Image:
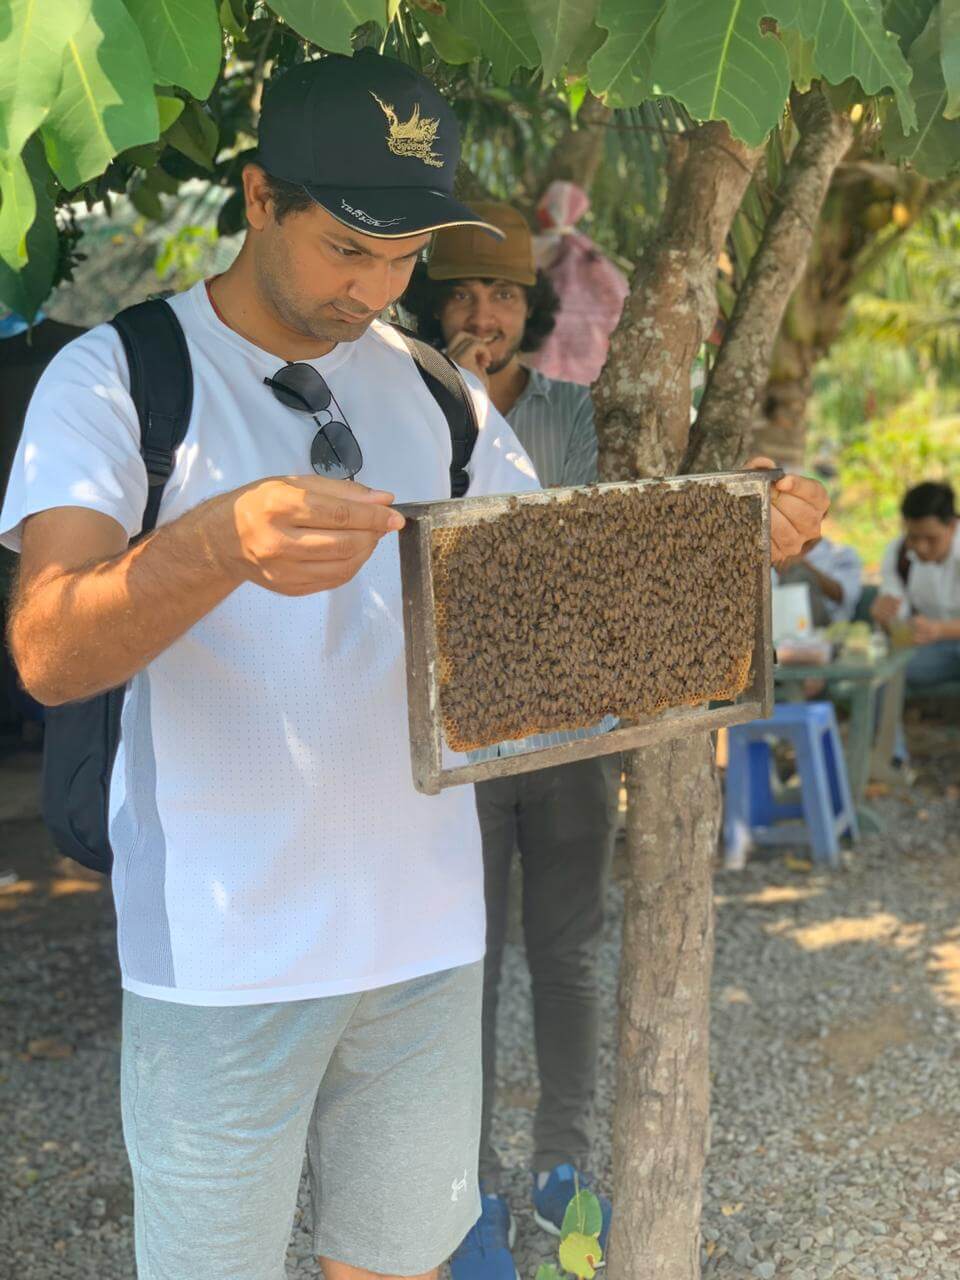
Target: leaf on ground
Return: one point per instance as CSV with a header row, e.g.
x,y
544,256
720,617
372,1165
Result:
x,y
580,1255
49,1048
583,1215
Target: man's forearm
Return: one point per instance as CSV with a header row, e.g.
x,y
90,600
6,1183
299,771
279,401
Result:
x,y
76,633
830,587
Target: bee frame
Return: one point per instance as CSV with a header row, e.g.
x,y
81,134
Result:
x,y
422,655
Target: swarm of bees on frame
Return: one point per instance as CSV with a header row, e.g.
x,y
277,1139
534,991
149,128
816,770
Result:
x,y
618,602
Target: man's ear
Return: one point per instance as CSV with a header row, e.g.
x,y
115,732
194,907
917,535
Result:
x,y
256,197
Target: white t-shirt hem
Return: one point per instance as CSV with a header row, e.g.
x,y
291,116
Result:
x,y
309,991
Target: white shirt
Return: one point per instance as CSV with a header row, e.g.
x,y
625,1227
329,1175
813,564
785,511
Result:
x,y
269,844
933,589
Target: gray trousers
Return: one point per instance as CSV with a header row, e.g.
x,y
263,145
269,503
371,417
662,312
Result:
x,y
563,822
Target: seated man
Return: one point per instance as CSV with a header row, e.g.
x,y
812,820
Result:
x,y
920,583
834,575
920,588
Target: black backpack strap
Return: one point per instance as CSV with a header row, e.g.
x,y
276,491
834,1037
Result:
x,y
903,562
453,396
161,387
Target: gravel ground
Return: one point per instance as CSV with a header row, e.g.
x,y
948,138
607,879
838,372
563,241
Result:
x,y
836,1059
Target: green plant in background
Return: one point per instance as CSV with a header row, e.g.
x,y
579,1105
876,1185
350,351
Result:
x,y
183,259
886,412
580,1253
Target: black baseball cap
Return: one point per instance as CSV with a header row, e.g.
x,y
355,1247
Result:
x,y
370,139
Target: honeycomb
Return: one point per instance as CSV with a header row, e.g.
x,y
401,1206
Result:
x,y
552,615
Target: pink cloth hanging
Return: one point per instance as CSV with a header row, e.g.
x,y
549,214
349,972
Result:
x,y
591,288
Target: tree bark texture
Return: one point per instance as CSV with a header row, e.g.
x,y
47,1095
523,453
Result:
x,y
642,398
643,413
663,1083
578,152
733,402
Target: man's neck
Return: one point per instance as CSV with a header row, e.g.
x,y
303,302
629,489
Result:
x,y
239,304
507,384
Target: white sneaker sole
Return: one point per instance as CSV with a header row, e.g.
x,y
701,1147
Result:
x,y
545,1224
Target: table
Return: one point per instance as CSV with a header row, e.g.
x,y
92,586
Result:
x,y
869,745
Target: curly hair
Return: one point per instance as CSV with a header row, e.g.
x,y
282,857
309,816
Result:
x,y
424,299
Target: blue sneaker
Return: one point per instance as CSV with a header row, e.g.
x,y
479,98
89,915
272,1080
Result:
x,y
550,1201
485,1252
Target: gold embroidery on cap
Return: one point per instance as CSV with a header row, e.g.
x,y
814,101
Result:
x,y
413,137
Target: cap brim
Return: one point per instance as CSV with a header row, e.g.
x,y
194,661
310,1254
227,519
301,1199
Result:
x,y
391,213
480,271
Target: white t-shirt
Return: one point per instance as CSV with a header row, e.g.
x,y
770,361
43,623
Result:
x,y
269,844
933,589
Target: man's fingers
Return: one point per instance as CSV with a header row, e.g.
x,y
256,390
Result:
x,y
798,513
810,491
325,511
352,490
310,544
761,463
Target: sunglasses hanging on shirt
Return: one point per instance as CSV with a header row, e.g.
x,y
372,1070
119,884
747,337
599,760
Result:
x,y
334,451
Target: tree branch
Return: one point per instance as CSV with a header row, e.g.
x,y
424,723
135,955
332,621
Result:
x,y
732,402
642,398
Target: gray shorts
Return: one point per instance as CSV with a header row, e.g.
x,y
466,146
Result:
x,y
382,1088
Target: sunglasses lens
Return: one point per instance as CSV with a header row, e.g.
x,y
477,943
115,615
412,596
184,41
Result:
x,y
335,452
299,386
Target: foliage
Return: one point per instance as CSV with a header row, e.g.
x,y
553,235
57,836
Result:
x,y
132,96
886,411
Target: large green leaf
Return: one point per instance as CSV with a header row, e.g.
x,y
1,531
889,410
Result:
x,y
620,71
950,54
330,23
449,44
33,35
106,101
907,18
24,290
713,56
850,40
184,41
501,30
934,148
18,208
559,26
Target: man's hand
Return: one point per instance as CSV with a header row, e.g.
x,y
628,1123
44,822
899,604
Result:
x,y
926,630
797,508
472,353
300,534
885,610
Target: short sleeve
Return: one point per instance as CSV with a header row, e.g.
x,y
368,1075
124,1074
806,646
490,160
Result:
x,y
580,462
80,445
499,463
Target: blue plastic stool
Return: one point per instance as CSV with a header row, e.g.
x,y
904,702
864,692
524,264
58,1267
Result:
x,y
756,815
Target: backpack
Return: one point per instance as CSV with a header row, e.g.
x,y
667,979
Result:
x,y
81,738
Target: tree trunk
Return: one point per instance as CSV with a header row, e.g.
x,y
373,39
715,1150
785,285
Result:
x,y
663,1081
578,152
734,399
642,398
643,412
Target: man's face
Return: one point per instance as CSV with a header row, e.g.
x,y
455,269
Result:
x,y
494,310
323,279
930,538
